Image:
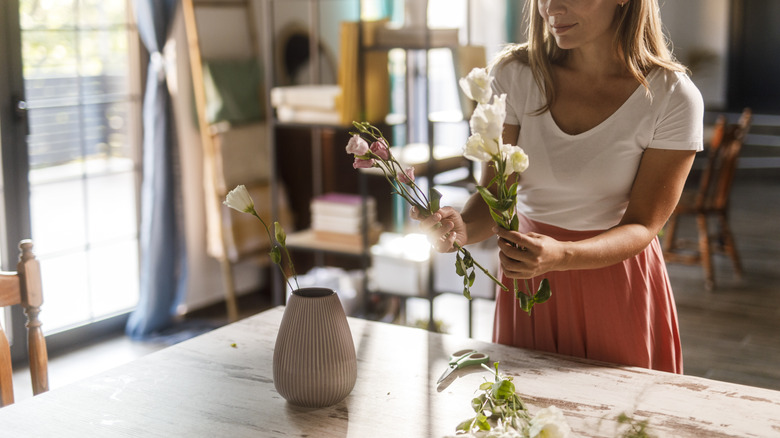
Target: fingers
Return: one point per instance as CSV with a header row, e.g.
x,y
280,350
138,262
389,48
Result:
x,y
518,254
513,268
445,243
519,240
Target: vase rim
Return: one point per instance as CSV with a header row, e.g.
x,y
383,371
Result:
x,y
313,292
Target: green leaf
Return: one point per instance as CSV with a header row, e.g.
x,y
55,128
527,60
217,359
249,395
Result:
x,y
465,426
485,386
460,267
467,293
503,389
482,422
521,296
544,292
505,204
476,403
498,219
435,197
472,277
488,197
515,224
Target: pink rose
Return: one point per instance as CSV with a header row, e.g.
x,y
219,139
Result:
x,y
362,164
407,176
380,149
357,145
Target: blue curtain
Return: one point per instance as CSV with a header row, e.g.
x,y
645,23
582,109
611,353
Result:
x,y
162,254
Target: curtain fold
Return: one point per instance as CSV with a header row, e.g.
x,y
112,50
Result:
x,y
162,250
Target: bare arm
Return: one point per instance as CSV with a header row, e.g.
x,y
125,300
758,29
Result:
x,y
653,197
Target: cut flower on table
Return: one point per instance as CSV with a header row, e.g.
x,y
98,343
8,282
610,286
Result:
x,y
370,149
501,413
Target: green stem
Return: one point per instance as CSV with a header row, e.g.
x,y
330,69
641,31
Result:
x,y
292,268
271,241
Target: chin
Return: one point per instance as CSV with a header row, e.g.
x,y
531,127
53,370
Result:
x,y
563,44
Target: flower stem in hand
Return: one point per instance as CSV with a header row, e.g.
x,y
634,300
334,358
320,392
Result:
x,y
377,154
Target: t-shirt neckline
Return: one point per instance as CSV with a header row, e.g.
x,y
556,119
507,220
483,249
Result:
x,y
550,120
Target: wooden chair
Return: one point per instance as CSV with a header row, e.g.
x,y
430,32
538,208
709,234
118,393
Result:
x,y
23,287
710,198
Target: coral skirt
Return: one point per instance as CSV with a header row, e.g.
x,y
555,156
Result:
x,y
624,313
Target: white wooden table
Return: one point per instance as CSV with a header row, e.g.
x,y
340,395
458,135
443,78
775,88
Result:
x,y
207,387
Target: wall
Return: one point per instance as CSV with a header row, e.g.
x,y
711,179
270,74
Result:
x,y
699,32
204,276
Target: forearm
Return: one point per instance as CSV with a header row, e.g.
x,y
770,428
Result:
x,y
608,248
476,216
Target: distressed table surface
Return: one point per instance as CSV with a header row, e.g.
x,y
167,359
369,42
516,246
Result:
x,y
220,384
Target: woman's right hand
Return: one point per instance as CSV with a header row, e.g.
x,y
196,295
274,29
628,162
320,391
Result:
x,y
444,228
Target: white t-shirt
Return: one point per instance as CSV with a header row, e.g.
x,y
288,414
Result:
x,y
583,181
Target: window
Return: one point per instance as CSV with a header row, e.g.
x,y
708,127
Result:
x,y
83,111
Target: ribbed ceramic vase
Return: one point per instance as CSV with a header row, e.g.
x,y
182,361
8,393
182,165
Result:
x,y
314,358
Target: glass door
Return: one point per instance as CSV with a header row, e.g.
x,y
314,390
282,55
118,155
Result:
x,y
80,69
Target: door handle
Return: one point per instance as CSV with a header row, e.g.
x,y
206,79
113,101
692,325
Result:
x,y
20,112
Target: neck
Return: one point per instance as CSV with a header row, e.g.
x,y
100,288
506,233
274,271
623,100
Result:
x,y
595,61
597,58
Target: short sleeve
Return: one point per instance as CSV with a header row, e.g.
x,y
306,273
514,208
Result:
x,y
507,79
679,125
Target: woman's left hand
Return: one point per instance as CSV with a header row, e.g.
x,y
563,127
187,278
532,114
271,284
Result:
x,y
527,255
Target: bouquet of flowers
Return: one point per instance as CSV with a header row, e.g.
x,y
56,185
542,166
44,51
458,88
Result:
x,y
370,149
485,145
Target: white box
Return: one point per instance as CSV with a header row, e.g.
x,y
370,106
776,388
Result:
x,y
400,265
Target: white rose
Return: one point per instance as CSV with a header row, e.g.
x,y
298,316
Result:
x,y
516,158
476,85
475,149
549,423
488,119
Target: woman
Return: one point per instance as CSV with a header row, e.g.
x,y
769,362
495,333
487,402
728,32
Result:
x,y
611,124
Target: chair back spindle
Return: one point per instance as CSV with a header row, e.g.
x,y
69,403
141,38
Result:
x,y
24,287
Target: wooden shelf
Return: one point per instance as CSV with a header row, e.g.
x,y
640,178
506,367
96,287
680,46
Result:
x,y
418,155
307,240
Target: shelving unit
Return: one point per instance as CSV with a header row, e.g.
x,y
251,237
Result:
x,y
303,240
428,158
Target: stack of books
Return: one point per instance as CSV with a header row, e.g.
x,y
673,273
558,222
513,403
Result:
x,y
310,104
339,217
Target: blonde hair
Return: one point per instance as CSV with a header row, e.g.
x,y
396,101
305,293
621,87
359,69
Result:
x,y
639,42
